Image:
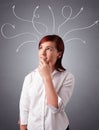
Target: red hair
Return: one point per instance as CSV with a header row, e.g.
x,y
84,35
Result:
x,y
59,46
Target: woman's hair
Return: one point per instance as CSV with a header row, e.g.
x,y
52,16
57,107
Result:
x,y
59,46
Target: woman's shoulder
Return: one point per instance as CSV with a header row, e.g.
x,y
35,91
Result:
x,y
31,74
67,74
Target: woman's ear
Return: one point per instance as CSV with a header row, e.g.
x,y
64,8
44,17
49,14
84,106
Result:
x,y
59,55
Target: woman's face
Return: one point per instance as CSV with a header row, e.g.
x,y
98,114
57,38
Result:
x,y
48,52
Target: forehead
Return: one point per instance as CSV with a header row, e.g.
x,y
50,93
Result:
x,y
48,43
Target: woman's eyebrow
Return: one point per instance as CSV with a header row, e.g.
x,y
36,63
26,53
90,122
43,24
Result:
x,y
47,46
50,46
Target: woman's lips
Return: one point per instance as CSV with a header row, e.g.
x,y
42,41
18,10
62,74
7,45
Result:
x,y
44,58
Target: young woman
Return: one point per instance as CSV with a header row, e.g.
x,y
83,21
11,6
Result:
x,y
47,89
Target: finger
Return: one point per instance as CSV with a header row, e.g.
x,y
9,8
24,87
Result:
x,y
41,64
43,61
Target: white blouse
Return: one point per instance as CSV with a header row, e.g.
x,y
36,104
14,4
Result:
x,y
34,110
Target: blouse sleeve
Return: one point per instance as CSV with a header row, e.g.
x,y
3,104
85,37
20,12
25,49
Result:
x,y
24,101
64,94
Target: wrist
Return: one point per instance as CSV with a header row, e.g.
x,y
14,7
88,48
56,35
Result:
x,y
47,78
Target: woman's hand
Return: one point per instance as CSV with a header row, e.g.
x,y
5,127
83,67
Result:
x,y
44,68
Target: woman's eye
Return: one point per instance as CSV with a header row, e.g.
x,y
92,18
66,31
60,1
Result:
x,y
40,47
49,48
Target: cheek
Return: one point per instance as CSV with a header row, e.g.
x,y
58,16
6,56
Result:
x,y
40,54
52,58
49,55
